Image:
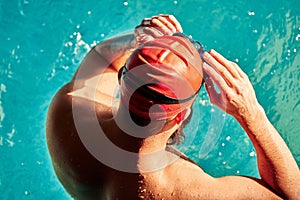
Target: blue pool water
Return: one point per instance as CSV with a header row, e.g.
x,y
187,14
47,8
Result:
x,y
42,43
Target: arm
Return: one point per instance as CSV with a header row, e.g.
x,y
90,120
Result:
x,y
112,54
277,167
150,28
107,56
116,50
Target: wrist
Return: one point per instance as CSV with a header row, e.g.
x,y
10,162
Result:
x,y
252,118
134,43
131,46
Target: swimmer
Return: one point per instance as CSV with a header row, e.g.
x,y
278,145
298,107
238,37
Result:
x,y
159,74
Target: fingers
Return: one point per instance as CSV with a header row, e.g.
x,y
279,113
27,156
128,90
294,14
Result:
x,y
236,94
153,32
174,22
165,27
218,71
216,77
212,93
230,66
167,24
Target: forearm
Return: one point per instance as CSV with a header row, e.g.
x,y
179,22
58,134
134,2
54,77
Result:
x,y
276,164
237,97
117,49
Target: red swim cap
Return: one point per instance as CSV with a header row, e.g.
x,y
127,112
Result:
x,y
167,73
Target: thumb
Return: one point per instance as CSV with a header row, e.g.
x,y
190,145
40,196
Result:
x,y
212,92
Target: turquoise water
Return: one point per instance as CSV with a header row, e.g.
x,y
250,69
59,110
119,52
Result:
x,y
42,43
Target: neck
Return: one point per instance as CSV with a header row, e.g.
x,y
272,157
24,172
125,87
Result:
x,y
129,136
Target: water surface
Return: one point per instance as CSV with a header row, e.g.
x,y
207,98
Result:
x,y
43,42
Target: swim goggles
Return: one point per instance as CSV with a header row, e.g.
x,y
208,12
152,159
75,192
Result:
x,y
196,44
155,96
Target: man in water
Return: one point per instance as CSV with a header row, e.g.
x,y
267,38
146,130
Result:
x,y
104,147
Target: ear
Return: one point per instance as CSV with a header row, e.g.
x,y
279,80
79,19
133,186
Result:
x,y
120,74
182,115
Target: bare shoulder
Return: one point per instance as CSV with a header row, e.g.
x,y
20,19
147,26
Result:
x,y
85,103
61,104
73,164
186,180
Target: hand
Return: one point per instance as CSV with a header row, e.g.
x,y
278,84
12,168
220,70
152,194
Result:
x,y
156,26
237,96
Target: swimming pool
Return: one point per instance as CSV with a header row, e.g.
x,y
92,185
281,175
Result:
x,y
42,43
